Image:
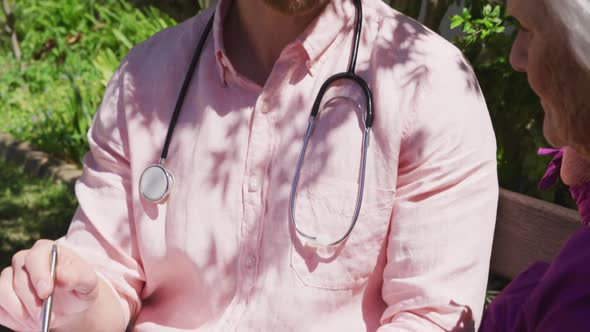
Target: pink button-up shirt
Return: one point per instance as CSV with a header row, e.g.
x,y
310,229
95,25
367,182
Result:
x,y
220,253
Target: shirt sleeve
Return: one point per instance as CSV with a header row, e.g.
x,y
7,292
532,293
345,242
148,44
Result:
x,y
102,230
444,212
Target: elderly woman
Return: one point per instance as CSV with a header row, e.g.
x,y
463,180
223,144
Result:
x,y
553,48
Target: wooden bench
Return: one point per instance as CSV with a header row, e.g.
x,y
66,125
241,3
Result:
x,y
528,230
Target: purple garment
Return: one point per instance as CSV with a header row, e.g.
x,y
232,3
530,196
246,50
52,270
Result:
x,y
581,195
550,297
552,174
547,298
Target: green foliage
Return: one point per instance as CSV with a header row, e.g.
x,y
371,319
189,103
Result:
x,y
30,209
515,110
479,29
70,50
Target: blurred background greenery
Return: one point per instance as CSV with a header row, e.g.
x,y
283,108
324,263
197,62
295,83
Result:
x,y
57,56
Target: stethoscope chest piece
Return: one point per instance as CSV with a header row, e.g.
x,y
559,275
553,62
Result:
x,y
155,183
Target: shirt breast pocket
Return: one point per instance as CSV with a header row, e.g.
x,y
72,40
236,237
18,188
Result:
x,y
326,207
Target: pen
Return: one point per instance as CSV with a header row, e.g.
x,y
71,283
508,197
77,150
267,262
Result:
x,y
49,301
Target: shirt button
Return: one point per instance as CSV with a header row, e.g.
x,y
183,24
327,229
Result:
x,y
264,107
254,185
250,261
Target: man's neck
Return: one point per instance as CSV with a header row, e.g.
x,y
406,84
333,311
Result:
x,y
255,35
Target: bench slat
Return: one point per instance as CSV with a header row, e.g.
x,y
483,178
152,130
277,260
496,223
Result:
x,y
528,230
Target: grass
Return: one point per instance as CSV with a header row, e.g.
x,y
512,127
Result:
x,y
30,209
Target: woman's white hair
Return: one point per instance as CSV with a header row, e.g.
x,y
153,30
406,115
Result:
x,y
575,17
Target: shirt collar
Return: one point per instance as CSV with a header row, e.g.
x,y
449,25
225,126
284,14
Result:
x,y
224,66
324,30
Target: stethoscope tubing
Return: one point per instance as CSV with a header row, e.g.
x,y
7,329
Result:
x,y
314,240
368,123
187,81
356,79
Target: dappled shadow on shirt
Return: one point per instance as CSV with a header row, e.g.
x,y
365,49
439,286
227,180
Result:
x,y
471,84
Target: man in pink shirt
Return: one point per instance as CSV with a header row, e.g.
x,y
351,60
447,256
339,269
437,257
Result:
x,y
220,254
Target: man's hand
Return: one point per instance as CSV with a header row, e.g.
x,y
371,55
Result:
x,y
25,284
575,170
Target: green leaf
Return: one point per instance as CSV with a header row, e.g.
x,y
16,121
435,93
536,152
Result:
x,y
121,37
466,14
456,21
487,10
496,11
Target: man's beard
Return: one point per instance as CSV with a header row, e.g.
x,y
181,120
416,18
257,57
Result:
x,y
296,7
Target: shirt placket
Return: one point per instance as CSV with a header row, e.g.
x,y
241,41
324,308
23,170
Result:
x,y
257,163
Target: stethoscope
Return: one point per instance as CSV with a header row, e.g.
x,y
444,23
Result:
x,y
157,182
